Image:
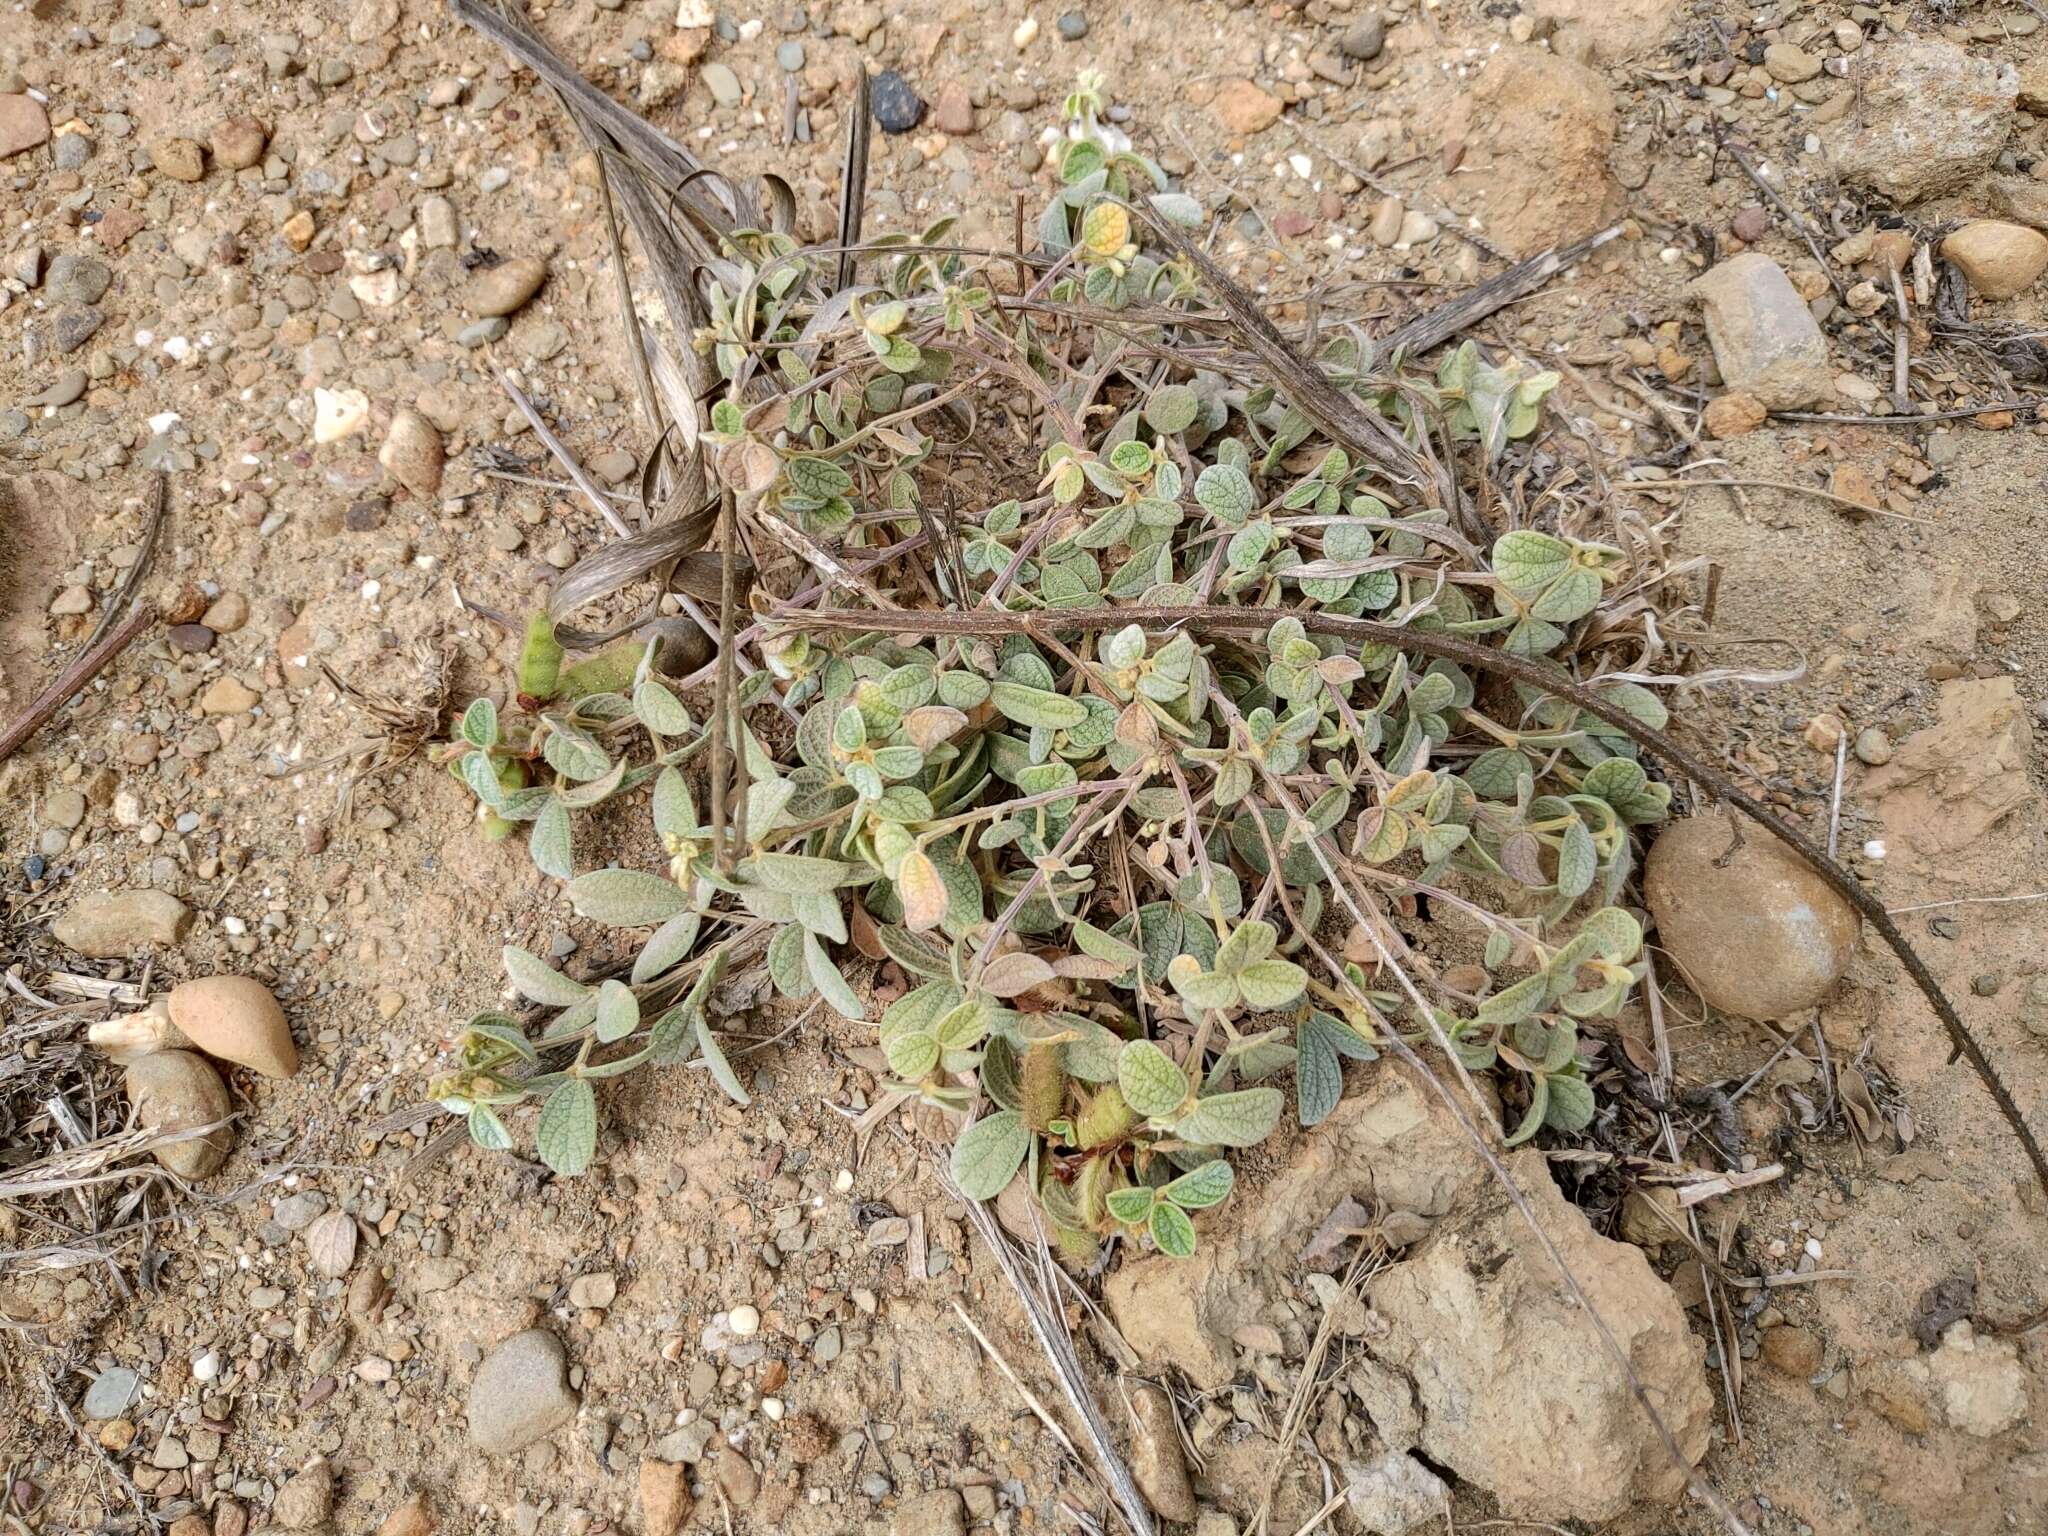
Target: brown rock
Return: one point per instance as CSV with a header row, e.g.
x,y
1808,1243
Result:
x,y
1900,1400
665,1500
1734,414
111,924
1617,29
1245,109
1753,930
1999,259
229,696
952,110
192,1525
23,124
306,1500
177,1090
179,159
238,143
736,1478
1157,1461
415,1517
1948,785
1791,1351
236,1019
230,1519
413,453
502,289
1538,130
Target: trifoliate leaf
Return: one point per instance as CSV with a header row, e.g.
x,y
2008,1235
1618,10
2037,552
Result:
x,y
1151,1083
1172,1230
1206,1186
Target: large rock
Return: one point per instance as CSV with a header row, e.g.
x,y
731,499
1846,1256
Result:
x,y
1982,1385
1391,1144
179,1091
1948,785
23,124
1999,259
235,1018
1517,1392
1750,927
521,1393
110,924
1538,130
1765,340
1933,119
1617,29
1514,1390
1394,1495
2019,198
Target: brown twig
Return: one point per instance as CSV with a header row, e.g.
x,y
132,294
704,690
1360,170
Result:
x,y
73,679
1464,652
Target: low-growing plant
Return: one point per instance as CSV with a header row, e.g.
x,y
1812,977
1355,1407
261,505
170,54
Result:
x,y
1100,852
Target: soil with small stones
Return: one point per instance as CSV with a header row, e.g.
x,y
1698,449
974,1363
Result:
x,y
404,168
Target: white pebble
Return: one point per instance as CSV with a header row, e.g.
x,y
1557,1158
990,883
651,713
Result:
x,y
1302,165
842,1181
1026,33
207,1366
772,1406
1874,849
744,1322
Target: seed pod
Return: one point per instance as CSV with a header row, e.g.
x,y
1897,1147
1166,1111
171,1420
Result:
x,y
1105,1117
1044,1087
540,660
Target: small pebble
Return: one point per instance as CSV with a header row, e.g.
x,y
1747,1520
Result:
x,y
1073,26
898,108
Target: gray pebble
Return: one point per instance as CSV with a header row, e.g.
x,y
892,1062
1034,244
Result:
x,y
73,328
723,84
110,1393
1073,26
1873,746
483,331
790,55
73,150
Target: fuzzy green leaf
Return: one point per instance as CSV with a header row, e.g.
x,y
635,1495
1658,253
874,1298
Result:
x,y
626,898
1037,706
1172,1230
989,1152
567,1134
1206,1186
480,723
1151,1083
549,843
1241,1119
618,1011
538,982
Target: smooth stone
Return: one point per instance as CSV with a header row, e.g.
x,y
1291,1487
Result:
x,y
501,290
1754,931
521,1393
110,1393
75,278
238,143
236,1019
179,159
414,453
2000,260
178,1090
306,1500
723,84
